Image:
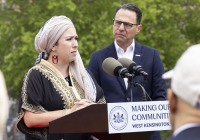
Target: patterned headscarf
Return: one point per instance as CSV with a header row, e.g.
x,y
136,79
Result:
x,y
48,36
50,33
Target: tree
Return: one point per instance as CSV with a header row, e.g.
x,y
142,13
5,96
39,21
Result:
x,y
168,26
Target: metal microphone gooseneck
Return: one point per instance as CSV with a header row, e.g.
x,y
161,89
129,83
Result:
x,y
145,94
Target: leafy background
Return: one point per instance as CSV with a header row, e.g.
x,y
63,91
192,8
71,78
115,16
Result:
x,y
170,26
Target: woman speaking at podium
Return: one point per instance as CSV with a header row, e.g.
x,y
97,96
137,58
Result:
x,y
58,84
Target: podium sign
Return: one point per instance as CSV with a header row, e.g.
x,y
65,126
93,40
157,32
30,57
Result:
x,y
138,116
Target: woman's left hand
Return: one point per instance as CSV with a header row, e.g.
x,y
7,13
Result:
x,y
83,103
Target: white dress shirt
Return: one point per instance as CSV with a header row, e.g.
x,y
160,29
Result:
x,y
125,54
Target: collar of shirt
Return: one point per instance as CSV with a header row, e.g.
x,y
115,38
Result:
x,y
126,54
184,127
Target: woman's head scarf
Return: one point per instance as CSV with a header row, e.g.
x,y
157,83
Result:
x,y
50,33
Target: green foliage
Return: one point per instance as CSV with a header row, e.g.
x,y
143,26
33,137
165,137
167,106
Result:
x,y
169,26
166,134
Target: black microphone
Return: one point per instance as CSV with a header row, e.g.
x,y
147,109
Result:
x,y
132,67
114,68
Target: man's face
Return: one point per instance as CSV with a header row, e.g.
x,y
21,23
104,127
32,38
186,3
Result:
x,y
125,28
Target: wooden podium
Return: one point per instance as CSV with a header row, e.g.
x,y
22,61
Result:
x,y
94,120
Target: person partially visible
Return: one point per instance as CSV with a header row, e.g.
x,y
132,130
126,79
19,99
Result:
x,y
4,105
184,95
126,25
58,84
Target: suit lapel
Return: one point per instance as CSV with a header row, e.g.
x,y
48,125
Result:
x,y
112,53
137,53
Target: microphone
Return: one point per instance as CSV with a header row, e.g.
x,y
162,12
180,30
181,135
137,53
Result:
x,y
132,67
114,68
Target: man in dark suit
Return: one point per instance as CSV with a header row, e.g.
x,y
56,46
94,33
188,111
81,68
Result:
x,y
127,24
184,96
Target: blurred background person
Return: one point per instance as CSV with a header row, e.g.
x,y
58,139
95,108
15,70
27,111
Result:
x,y
58,84
184,95
4,106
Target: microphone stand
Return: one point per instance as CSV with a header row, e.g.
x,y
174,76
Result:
x,y
143,91
130,86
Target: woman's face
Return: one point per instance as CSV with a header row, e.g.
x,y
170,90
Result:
x,y
67,46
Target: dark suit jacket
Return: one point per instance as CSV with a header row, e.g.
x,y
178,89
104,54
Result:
x,y
114,87
192,133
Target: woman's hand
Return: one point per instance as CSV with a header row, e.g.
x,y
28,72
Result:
x,y
40,120
81,104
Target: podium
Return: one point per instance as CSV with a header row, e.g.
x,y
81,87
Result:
x,y
93,120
